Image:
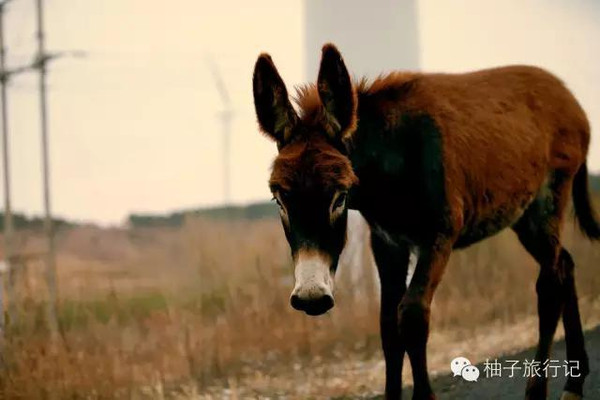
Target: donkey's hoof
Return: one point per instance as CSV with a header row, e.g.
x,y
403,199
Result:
x,y
570,396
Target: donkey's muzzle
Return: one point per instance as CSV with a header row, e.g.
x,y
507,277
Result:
x,y
313,304
313,291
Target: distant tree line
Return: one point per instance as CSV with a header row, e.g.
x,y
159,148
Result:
x,y
249,212
253,211
21,221
175,219
595,183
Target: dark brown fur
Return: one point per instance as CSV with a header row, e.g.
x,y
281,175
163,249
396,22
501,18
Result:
x,y
312,161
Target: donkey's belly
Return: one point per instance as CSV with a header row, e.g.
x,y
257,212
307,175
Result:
x,y
493,222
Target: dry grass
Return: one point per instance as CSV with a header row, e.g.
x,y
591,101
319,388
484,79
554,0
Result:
x,y
203,310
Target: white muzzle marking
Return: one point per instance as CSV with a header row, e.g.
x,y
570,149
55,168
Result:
x,y
313,277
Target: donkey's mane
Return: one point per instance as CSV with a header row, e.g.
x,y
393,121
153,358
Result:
x,y
311,108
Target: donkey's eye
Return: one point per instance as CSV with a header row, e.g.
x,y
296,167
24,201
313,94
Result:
x,y
276,200
340,201
284,195
281,198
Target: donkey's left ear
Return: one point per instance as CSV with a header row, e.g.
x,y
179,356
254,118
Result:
x,y
337,93
276,116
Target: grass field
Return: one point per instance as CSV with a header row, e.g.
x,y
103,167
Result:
x,y
202,311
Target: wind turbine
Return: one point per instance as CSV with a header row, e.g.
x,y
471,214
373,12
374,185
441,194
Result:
x,y
226,116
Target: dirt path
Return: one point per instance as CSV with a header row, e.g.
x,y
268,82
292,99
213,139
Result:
x,y
448,387
355,379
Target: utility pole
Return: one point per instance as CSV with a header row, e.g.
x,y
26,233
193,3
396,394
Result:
x,y
8,222
41,65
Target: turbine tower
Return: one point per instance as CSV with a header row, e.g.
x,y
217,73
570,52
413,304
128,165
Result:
x,y
226,116
374,37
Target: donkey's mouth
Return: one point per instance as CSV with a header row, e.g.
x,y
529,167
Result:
x,y
312,307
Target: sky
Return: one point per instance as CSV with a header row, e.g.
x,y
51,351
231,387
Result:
x,y
134,125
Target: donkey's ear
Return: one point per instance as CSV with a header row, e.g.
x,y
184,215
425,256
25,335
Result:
x,y
275,113
337,93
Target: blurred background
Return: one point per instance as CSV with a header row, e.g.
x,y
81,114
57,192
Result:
x,y
172,273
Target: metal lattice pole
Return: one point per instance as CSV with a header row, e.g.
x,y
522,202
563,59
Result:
x,y
42,58
8,221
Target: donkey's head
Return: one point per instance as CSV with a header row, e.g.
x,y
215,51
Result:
x,y
311,175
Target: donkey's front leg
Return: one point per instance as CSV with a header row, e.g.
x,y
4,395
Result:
x,y
392,265
414,310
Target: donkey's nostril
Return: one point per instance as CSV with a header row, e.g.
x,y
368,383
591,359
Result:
x,y
296,302
320,306
312,306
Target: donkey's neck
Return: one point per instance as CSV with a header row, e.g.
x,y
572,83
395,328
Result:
x,y
398,161
400,146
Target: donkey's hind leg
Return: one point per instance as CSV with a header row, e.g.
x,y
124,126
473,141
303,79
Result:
x,y
550,299
573,334
539,232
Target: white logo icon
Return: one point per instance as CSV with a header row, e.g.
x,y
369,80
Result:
x,y
461,366
458,364
470,373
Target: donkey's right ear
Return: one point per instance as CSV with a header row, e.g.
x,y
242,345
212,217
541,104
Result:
x,y
276,115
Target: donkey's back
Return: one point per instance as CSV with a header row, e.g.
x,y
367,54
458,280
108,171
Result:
x,y
507,133
492,110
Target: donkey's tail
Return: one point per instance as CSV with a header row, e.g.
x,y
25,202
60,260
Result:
x,y
588,220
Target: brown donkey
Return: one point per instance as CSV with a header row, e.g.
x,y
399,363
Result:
x,y
434,162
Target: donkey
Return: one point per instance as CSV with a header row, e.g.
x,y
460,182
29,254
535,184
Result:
x,y
434,162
